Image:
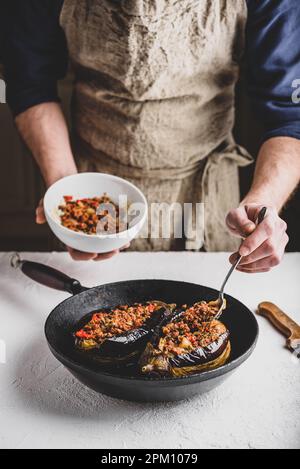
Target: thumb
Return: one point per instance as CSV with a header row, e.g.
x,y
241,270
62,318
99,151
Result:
x,y
238,222
40,214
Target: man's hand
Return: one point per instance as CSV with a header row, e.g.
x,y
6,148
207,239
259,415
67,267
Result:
x,y
277,174
76,255
44,130
265,244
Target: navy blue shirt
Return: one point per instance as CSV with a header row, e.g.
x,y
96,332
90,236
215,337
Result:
x,y
35,57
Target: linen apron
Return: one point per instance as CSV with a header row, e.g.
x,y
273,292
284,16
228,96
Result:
x,y
154,103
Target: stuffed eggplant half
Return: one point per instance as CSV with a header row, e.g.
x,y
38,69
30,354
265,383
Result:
x,y
192,341
119,335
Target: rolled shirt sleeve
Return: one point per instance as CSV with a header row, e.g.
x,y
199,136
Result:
x,y
33,52
273,64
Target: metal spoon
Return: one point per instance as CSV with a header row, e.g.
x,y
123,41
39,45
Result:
x,y
221,300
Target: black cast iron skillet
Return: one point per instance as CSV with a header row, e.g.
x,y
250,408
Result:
x,y
126,383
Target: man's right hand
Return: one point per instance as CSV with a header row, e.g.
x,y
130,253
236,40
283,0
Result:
x,y
76,255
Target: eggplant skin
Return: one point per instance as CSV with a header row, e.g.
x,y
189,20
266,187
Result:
x,y
177,372
116,350
155,362
127,347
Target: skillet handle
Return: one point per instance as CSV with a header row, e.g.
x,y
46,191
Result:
x,y
47,276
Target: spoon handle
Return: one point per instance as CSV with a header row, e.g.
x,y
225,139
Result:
x,y
260,218
261,215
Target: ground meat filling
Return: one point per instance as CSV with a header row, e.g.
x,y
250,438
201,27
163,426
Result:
x,y
91,215
104,325
191,331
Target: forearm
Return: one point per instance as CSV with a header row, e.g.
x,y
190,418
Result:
x,y
44,130
277,172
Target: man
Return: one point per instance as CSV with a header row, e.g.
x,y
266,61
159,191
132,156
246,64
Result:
x,y
154,103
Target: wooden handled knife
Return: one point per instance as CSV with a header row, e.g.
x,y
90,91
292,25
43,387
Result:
x,y
283,323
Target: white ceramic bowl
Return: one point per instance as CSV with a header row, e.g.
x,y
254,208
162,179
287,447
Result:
x,y
94,185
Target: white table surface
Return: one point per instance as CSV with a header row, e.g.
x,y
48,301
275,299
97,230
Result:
x,y
43,406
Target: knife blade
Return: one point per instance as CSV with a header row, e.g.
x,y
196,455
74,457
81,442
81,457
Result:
x,y
283,323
